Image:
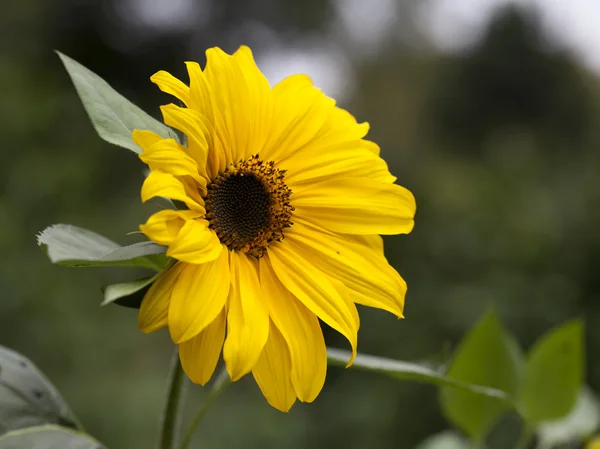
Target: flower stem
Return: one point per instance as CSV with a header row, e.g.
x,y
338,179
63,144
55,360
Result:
x,y
219,385
171,416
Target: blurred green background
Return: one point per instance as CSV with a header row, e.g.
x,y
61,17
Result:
x,y
499,143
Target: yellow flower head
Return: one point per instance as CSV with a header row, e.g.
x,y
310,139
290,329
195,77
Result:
x,y
284,204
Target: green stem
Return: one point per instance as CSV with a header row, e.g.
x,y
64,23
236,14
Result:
x,y
219,385
171,416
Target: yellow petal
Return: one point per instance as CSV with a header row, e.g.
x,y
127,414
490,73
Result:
x,y
158,183
356,206
242,96
200,93
339,133
163,226
300,110
341,126
198,297
322,124
191,124
145,139
373,281
226,80
347,159
171,85
260,105
195,243
272,372
154,310
302,332
315,289
202,100
169,157
247,319
374,242
199,355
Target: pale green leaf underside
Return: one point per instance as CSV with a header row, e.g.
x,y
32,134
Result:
x,y
47,437
27,398
113,116
410,371
77,247
113,292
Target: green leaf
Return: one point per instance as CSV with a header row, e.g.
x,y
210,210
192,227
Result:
x,y
27,398
71,246
553,374
580,424
47,437
448,439
128,294
487,356
402,370
113,116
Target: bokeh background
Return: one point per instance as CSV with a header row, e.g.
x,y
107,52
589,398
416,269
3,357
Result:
x,y
489,111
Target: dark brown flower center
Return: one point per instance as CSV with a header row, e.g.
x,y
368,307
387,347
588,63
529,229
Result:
x,y
248,206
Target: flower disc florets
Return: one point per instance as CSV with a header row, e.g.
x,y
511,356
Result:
x,y
248,206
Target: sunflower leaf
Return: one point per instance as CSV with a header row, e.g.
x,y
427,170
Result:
x,y
128,294
113,116
47,437
72,246
487,356
27,398
402,370
554,373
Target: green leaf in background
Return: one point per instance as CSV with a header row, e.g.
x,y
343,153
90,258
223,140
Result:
x,y
128,294
553,374
71,246
113,116
47,437
448,439
27,398
580,424
402,370
487,356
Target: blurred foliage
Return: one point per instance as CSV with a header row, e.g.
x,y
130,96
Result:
x,y
499,145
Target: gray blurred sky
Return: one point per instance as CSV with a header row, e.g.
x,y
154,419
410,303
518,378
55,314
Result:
x,y
360,27
454,24
450,25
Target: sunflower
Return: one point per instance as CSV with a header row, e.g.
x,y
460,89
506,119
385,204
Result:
x,y
281,206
